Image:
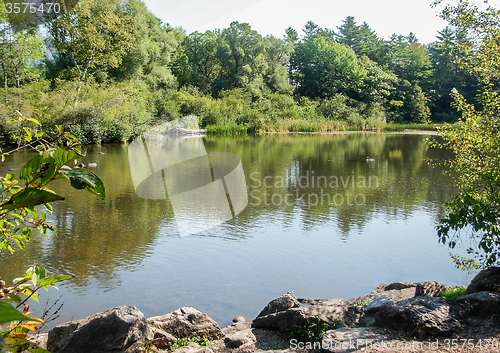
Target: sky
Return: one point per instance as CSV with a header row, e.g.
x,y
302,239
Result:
x,y
385,17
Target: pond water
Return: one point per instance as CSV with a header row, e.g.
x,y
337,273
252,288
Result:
x,y
320,221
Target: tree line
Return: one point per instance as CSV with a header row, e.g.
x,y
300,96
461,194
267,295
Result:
x,y
107,69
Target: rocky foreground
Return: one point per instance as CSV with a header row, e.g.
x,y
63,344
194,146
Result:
x,y
399,317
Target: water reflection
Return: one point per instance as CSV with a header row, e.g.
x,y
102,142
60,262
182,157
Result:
x,y
131,247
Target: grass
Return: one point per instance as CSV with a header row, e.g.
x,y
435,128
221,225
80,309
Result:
x,y
451,294
393,127
226,130
299,125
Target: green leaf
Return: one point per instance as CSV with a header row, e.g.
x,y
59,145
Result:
x,y
49,281
39,170
62,156
8,313
38,275
84,179
30,197
34,121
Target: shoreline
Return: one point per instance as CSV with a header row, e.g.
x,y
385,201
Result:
x,y
406,132
398,317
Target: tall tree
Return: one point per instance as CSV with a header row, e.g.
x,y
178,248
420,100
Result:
x,y
409,60
475,141
322,68
241,53
93,35
362,39
149,55
198,65
278,59
444,54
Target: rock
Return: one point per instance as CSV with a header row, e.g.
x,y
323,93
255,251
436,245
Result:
x,y
400,294
284,320
240,338
193,348
162,339
474,321
484,304
239,319
400,285
397,291
334,301
431,314
380,288
350,339
40,339
352,315
429,288
187,322
114,330
282,303
374,305
485,281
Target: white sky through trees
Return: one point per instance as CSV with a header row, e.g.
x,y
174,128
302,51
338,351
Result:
x,y
385,17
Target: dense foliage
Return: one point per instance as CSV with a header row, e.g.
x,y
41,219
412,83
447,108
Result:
x,y
475,140
111,69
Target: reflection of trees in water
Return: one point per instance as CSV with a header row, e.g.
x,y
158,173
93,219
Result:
x,y
98,238
401,180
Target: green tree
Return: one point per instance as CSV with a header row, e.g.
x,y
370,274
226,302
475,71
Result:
x,y
363,40
444,54
198,64
18,52
93,35
475,141
409,59
149,56
278,59
322,68
242,57
408,104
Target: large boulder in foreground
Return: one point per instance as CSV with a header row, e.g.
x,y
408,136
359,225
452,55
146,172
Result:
x,y
282,303
283,320
119,330
429,314
485,281
187,322
484,304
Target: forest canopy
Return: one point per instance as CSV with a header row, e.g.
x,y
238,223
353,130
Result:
x,y
108,69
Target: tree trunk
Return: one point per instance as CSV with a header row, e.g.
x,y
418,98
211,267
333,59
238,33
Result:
x,y
4,80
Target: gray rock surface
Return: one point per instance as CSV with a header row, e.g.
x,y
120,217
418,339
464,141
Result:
x,y
284,320
334,301
485,281
282,303
116,330
193,348
240,338
346,339
162,339
376,303
430,314
187,322
484,304
397,291
429,288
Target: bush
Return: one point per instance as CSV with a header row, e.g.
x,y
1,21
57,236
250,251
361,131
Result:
x,y
451,294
